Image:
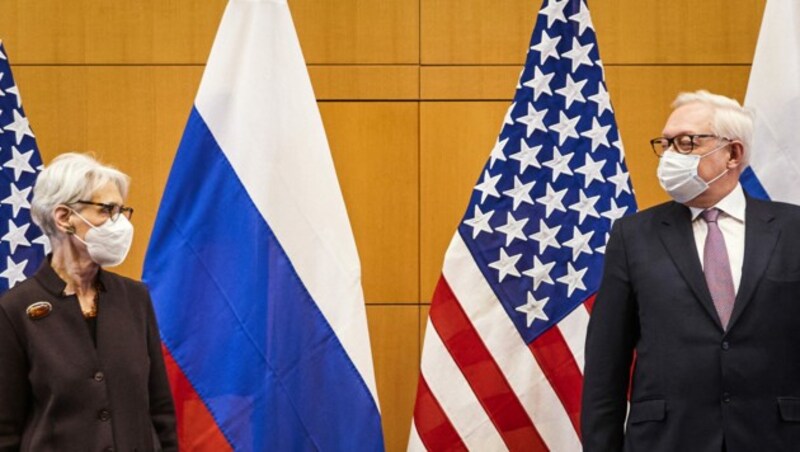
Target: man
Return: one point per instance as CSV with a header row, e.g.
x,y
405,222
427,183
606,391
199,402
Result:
x,y
706,291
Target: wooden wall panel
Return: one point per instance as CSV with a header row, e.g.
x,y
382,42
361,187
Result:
x,y
103,32
181,31
487,32
131,117
455,141
677,32
363,82
374,146
469,82
395,351
358,31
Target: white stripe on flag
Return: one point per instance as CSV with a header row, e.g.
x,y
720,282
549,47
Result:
x,y
773,93
414,441
573,327
296,192
507,348
450,388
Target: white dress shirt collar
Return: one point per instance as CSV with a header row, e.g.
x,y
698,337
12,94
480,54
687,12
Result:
x,y
733,205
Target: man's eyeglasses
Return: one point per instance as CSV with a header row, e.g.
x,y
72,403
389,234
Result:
x,y
683,144
112,210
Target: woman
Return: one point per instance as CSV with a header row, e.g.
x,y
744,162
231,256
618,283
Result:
x,y
80,357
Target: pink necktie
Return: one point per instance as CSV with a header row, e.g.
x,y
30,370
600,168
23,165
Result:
x,y
717,268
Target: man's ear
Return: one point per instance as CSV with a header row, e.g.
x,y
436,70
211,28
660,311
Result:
x,y
737,154
61,215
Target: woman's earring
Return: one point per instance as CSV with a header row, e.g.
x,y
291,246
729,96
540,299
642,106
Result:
x,y
70,229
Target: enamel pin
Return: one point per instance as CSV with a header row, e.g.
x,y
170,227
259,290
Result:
x,y
39,310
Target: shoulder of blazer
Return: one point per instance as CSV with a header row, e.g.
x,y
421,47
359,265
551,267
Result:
x,y
768,210
660,212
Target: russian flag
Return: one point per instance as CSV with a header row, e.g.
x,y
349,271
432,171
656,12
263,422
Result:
x,y
773,94
252,264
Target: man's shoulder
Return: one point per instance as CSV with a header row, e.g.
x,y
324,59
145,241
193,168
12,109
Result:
x,y
777,208
651,214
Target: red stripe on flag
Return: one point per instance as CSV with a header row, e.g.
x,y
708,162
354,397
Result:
x,y
197,430
555,358
589,303
482,372
433,426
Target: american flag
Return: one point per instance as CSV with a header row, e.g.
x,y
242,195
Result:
x,y
502,362
22,244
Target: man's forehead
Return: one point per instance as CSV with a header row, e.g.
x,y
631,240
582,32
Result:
x,y
690,118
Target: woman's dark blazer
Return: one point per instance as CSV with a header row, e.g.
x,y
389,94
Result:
x,y
58,391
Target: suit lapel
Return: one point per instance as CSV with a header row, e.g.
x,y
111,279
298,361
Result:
x,y
678,238
760,238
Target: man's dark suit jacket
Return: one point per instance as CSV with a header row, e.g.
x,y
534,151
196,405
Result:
x,y
60,393
694,383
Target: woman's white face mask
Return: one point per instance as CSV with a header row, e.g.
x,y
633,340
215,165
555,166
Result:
x,y
678,175
109,243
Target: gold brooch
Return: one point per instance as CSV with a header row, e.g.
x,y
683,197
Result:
x,y
39,310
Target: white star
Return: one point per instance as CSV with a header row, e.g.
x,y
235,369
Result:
x,y
15,91
521,192
585,206
565,127
480,222
618,144
579,54
602,99
572,91
20,127
533,309
591,170
546,236
44,241
519,79
20,162
579,243
506,265
2,55
559,164
547,47
553,200
489,186
497,152
554,12
614,212
620,180
540,272
534,120
14,272
598,134
540,83
526,156
573,279
16,236
18,199
583,18
2,93
602,249
508,118
513,228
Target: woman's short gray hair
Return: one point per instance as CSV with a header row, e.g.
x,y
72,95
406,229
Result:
x,y
68,178
731,120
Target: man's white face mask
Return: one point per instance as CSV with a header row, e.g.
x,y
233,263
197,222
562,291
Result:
x,y
678,176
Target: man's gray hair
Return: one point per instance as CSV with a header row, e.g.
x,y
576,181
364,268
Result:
x,y
68,178
730,120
